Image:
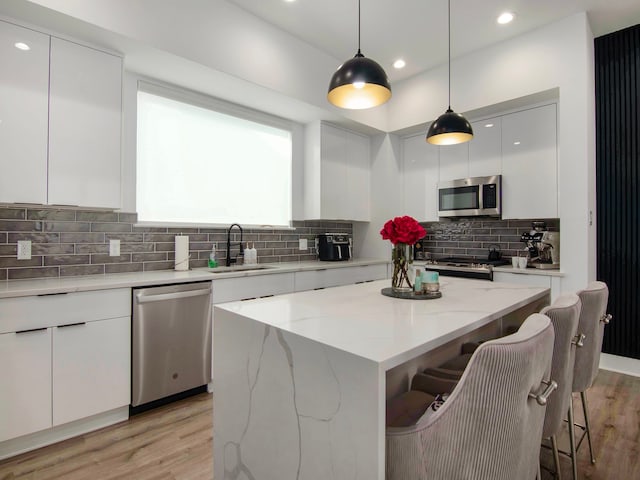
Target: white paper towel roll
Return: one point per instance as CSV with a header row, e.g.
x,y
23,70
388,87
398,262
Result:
x,y
182,252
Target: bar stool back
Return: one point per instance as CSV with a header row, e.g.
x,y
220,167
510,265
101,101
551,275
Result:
x,y
593,318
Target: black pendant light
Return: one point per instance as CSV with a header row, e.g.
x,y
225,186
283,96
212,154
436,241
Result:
x,y
449,128
359,82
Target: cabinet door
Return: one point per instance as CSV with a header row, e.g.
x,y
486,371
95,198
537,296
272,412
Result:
x,y
358,189
91,368
333,171
85,126
454,161
25,383
485,149
420,178
529,164
24,104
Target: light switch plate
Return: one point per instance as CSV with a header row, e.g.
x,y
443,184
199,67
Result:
x,y
114,247
302,244
24,249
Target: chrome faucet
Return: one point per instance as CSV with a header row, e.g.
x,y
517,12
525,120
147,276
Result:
x,y
229,259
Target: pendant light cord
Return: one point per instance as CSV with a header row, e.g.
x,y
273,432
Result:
x,y
359,27
449,27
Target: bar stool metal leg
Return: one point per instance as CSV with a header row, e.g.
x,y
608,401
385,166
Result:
x,y
583,396
556,457
572,441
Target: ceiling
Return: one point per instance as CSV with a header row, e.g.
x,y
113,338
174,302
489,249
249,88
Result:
x,y
416,30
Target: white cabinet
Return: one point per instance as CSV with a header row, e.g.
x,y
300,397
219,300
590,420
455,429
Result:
x,y
529,164
69,356
90,368
534,280
454,161
60,114
336,174
333,277
485,149
25,379
243,288
420,178
24,104
85,126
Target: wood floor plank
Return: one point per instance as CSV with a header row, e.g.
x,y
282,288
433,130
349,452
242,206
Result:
x,y
174,442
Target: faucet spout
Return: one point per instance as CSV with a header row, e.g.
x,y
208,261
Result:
x,y
229,260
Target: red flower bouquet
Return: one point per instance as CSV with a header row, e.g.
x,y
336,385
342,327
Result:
x,y
404,232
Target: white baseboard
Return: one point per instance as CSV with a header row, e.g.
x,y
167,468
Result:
x,y
615,363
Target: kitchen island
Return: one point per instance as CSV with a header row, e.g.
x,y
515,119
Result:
x,y
299,380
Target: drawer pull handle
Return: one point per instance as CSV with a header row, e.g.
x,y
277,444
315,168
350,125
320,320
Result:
x,y
51,294
72,325
32,330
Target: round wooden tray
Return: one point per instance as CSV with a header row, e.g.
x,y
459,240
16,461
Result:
x,y
410,295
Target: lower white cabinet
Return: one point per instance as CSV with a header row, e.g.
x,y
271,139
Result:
x,y
333,277
547,281
69,356
25,382
90,368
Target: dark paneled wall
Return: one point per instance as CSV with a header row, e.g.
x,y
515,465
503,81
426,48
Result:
x,y
69,242
617,60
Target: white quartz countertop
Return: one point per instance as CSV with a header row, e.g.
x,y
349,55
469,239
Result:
x,y
44,286
360,320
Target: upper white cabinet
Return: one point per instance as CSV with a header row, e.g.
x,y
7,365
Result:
x,y
24,104
529,163
85,126
336,174
420,178
454,161
60,121
485,149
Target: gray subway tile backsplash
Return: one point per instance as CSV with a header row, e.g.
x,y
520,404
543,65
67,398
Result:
x,y
473,238
72,242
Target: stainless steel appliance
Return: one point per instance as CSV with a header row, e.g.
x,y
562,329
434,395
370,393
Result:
x,y
470,197
464,267
333,246
543,246
171,340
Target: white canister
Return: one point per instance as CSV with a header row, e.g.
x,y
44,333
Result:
x,y
182,253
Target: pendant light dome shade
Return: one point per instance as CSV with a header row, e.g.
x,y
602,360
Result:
x,y
359,83
449,128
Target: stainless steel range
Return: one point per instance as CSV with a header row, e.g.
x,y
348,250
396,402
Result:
x,y
465,267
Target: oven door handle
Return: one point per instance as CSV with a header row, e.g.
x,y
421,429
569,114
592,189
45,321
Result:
x,y
141,298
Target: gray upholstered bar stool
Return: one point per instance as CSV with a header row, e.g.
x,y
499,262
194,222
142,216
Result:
x,y
491,425
564,314
593,318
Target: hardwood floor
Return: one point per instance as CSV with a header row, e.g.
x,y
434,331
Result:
x,y
174,442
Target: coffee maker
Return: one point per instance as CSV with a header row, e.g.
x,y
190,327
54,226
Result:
x,y
543,247
333,247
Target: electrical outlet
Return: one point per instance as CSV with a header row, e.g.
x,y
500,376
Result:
x,y
302,244
114,247
24,249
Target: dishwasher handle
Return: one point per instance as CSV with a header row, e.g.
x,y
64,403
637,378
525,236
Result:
x,y
141,298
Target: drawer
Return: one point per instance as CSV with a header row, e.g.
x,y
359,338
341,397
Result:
x,y
242,288
333,277
38,311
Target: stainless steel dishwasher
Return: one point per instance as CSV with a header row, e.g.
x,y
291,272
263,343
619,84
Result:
x,y
171,340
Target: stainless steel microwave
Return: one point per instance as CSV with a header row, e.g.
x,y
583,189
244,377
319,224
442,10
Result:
x,y
471,197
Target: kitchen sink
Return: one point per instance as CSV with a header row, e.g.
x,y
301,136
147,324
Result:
x,y
239,268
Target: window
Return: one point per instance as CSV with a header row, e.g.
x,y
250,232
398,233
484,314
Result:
x,y
210,163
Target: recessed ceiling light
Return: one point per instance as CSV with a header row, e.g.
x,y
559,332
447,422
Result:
x,y
516,143
21,46
399,63
505,17
489,125
289,1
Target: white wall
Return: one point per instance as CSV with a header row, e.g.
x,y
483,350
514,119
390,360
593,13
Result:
x,y
556,56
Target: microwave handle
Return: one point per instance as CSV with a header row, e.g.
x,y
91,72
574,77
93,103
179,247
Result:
x,y
481,196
